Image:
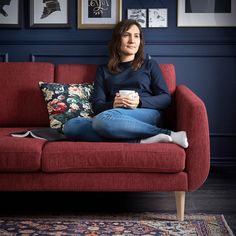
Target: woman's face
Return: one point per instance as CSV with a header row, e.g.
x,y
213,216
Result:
x,y
130,41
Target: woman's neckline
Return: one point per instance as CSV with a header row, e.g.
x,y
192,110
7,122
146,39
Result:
x,y
126,62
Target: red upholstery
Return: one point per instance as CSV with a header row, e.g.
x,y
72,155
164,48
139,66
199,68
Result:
x,y
108,182
112,157
22,103
196,126
75,73
168,71
19,154
28,164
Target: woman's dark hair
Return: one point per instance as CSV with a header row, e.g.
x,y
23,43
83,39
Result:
x,y
115,44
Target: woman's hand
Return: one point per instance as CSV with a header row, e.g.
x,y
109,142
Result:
x,y
131,101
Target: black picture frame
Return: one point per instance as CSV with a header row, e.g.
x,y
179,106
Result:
x,y
50,14
11,14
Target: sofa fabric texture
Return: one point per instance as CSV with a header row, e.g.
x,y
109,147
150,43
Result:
x,y
112,157
21,103
28,164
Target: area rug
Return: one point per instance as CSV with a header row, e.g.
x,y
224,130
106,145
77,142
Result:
x,y
148,224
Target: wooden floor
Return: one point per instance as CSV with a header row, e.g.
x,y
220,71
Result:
x,y
217,195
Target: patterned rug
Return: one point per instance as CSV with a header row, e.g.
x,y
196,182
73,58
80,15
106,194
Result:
x,y
148,224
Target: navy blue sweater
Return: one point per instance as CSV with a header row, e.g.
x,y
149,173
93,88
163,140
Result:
x,y
147,81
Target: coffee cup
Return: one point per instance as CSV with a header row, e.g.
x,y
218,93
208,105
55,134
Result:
x,y
126,92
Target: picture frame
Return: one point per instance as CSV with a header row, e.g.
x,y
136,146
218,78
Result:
x,y
195,13
157,17
99,14
11,14
140,15
49,14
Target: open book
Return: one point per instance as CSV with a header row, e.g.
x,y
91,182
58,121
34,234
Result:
x,y
49,134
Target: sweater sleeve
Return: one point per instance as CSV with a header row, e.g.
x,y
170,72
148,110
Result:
x,y
99,97
160,97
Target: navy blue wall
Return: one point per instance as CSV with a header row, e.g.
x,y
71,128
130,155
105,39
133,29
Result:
x,y
205,60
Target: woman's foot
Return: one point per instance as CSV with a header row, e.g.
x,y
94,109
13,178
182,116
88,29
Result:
x,y
180,138
159,138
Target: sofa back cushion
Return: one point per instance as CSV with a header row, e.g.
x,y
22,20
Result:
x,y
168,71
82,73
22,103
75,73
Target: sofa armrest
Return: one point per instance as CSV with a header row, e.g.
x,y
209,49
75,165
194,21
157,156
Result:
x,y
191,116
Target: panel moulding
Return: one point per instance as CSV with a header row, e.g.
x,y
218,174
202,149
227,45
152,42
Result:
x,y
4,56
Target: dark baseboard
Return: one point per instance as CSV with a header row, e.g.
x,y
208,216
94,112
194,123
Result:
x,y
223,161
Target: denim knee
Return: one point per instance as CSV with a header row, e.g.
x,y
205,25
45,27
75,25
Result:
x,y
102,125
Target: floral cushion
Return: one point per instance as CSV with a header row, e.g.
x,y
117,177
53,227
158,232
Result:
x,y
66,101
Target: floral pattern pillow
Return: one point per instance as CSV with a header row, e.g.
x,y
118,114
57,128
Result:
x,y
66,101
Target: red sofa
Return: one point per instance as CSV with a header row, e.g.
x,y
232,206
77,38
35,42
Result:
x,y
28,164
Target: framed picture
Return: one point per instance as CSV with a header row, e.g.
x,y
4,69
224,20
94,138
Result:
x,y
140,15
201,13
10,14
49,14
157,18
99,14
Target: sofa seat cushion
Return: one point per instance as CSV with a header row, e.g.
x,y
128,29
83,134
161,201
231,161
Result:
x,y
112,157
19,154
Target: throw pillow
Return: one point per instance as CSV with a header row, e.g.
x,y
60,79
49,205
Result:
x,y
66,101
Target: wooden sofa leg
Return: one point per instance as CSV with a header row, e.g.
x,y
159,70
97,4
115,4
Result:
x,y
180,204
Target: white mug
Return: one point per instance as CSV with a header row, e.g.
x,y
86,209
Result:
x,y
126,92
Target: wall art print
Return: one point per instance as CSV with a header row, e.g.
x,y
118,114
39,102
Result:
x,y
202,13
10,13
157,18
99,14
140,15
49,14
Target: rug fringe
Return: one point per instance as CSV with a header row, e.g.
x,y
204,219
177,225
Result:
x,y
226,225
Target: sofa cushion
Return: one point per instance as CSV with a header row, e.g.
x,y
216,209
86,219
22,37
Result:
x,y
168,71
21,100
19,154
75,73
112,157
66,101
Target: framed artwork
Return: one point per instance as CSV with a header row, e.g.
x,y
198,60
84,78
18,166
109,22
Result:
x,y
201,13
49,14
10,13
157,18
99,14
140,15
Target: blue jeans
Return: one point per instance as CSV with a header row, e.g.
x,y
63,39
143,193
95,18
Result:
x,y
119,125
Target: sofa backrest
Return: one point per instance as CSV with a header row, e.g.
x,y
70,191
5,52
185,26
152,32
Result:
x,y
168,71
75,73
80,73
22,103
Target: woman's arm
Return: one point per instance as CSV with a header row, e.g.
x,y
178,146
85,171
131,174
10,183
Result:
x,y
160,97
99,97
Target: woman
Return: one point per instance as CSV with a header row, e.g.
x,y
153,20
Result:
x,y
127,118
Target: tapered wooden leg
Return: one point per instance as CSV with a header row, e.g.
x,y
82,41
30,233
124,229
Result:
x,y
180,204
